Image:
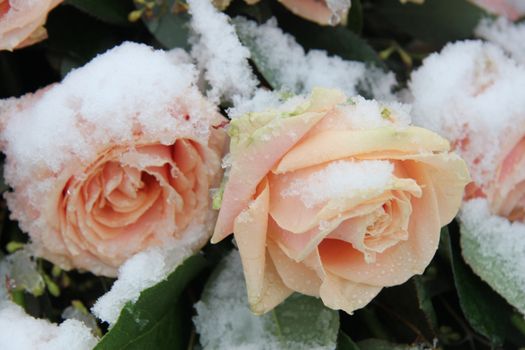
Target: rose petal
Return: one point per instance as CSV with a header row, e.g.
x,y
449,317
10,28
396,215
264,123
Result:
x,y
250,234
448,174
340,294
296,276
312,10
332,145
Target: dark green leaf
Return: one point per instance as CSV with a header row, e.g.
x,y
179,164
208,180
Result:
x,y
425,301
484,309
169,28
355,17
436,21
399,312
345,343
259,12
154,321
110,11
3,186
70,44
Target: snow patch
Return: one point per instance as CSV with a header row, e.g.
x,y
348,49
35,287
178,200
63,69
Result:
x,y
506,34
472,93
20,331
219,54
341,179
499,255
299,72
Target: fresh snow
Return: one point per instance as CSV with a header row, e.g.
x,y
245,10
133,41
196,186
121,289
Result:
x,y
473,94
219,54
339,179
299,72
20,331
506,34
495,249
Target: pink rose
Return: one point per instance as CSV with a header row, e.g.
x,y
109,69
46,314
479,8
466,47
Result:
x,y
512,9
336,198
508,196
22,22
117,158
483,116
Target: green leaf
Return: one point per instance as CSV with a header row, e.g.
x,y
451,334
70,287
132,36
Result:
x,y
155,321
110,11
169,28
259,12
303,320
345,343
355,17
224,318
436,21
484,309
425,301
493,269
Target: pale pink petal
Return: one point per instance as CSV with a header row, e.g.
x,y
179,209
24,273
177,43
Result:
x,y
250,234
296,276
341,294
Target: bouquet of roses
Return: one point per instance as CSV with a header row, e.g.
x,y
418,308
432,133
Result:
x,y
272,174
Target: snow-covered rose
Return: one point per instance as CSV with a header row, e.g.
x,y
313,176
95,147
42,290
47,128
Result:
x,y
336,198
479,105
22,22
117,158
512,9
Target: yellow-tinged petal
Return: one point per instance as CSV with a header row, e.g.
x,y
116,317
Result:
x,y
323,100
332,145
